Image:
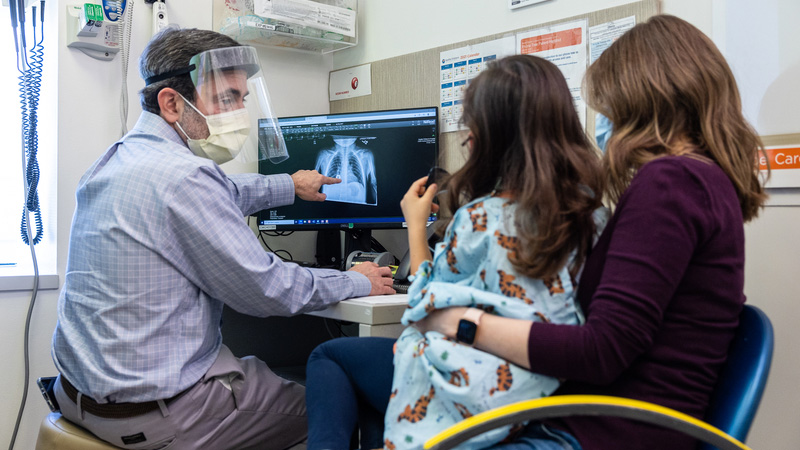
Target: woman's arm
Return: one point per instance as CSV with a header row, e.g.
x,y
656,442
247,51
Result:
x,y
648,254
501,336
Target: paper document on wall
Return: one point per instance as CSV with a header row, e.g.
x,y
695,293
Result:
x,y
457,68
602,36
565,46
309,13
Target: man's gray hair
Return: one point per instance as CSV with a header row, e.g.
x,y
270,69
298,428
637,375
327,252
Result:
x,y
169,50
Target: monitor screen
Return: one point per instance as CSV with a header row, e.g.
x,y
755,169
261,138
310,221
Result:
x,y
376,154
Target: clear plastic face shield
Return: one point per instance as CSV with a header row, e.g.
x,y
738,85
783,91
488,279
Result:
x,y
231,93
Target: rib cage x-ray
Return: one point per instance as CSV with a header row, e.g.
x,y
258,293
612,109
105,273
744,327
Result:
x,y
355,166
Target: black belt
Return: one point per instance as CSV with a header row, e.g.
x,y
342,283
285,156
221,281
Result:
x,y
111,410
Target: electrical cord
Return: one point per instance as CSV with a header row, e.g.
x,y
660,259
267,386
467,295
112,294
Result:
x,y
278,233
289,258
30,84
261,235
375,245
339,329
125,33
26,345
32,138
328,329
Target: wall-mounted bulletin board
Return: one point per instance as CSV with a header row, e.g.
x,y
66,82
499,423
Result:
x,y
425,79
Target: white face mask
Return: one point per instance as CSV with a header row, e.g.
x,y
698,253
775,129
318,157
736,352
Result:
x,y
228,132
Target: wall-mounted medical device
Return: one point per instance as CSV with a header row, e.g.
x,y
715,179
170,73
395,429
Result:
x,y
160,19
95,29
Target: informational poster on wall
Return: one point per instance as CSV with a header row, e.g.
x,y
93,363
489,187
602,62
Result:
x,y
308,13
784,164
457,68
602,36
565,46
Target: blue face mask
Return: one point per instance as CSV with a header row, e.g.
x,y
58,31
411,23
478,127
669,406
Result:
x,y
602,130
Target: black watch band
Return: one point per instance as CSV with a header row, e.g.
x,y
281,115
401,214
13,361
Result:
x,y
468,326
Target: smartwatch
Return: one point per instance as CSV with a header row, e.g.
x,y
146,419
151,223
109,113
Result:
x,y
468,326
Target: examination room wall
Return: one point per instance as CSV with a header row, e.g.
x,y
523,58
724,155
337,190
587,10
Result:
x,y
88,122
388,28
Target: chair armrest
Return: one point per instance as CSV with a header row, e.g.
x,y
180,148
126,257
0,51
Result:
x,y
582,405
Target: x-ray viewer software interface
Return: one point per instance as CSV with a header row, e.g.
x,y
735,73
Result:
x,y
376,154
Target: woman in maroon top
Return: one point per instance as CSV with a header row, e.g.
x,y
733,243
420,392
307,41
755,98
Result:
x,y
663,287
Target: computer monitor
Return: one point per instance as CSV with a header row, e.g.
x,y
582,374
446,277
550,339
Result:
x,y
377,154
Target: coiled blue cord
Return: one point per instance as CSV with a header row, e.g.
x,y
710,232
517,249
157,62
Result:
x,y
30,86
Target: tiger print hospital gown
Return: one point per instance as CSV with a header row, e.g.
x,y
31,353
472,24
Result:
x,y
437,381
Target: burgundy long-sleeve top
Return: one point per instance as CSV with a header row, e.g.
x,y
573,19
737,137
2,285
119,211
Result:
x,y
662,291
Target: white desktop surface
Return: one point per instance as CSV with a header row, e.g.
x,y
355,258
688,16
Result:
x,y
377,315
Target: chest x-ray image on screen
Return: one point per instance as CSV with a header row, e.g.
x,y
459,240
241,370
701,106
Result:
x,y
376,154
351,160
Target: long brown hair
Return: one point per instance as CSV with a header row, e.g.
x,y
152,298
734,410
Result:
x,y
527,141
669,91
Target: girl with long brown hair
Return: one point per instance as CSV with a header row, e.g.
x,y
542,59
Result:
x,y
525,211
522,214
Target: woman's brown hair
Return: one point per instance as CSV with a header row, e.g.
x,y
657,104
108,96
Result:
x,y
527,141
669,91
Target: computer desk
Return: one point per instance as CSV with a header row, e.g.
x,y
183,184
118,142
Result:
x,y
377,315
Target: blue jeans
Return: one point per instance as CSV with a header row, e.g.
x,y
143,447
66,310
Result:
x,y
348,383
537,436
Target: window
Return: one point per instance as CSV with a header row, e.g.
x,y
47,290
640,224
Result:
x,y
15,255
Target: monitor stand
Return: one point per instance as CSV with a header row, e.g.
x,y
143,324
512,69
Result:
x,y
329,249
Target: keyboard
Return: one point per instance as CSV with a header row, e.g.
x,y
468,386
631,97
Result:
x,y
401,286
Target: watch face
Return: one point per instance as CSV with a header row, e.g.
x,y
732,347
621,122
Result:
x,y
466,331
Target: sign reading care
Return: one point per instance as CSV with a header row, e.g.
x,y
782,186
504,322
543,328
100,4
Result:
x,y
784,163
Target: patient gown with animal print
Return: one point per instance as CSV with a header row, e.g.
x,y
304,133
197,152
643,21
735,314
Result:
x,y
438,381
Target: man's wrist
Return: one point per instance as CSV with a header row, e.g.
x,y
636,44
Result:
x,y
283,189
361,284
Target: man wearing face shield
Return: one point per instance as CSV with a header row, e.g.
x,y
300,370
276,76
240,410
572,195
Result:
x,y
158,245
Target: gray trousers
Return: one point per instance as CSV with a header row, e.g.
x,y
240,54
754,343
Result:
x,y
259,411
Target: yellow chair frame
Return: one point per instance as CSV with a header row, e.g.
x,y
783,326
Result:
x,y
582,405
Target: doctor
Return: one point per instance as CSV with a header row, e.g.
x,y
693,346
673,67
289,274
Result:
x,y
158,245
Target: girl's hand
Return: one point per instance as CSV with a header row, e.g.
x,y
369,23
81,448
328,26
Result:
x,y
417,204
